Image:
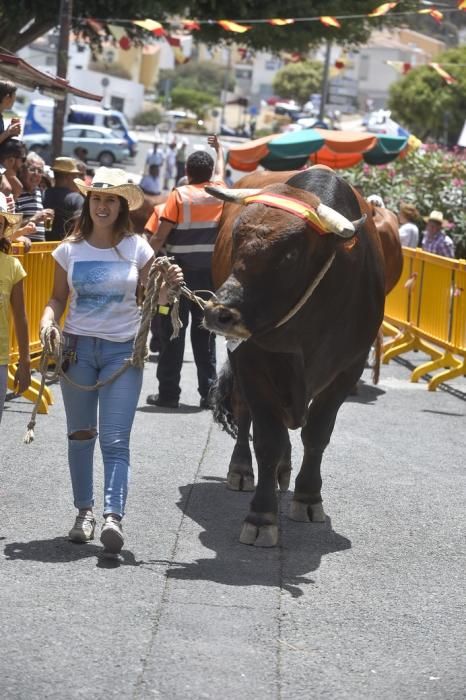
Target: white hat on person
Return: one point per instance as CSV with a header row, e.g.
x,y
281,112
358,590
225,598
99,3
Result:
x,y
436,215
113,181
13,220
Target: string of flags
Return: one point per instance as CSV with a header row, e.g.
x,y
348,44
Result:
x,y
404,67
157,29
186,26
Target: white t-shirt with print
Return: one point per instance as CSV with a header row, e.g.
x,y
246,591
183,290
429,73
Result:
x,y
102,286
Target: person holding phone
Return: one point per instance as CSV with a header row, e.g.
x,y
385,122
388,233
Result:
x,y
7,99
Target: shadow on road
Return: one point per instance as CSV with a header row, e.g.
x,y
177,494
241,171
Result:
x,y
220,512
60,550
365,393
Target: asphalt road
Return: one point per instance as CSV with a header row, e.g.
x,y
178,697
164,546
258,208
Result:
x,y
370,604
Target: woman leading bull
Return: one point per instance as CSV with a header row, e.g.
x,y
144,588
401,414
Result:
x,y
98,268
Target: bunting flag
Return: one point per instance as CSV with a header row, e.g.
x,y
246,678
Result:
x,y
402,67
330,22
173,40
281,22
96,27
116,31
151,25
190,25
230,26
449,79
382,9
435,14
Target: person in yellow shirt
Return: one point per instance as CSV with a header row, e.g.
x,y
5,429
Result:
x,y
11,293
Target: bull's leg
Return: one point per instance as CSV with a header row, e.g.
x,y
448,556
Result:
x,y
306,505
284,468
240,473
271,442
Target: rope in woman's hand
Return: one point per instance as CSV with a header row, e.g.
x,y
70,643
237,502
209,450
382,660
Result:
x,y
54,346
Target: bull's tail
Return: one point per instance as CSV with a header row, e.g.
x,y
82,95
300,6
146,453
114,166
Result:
x,y
222,400
377,357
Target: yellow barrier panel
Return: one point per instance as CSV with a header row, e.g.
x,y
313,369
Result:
x,y
39,266
427,311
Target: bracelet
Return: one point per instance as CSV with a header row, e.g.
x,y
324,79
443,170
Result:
x,y
163,310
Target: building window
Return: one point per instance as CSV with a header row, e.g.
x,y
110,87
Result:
x,y
117,103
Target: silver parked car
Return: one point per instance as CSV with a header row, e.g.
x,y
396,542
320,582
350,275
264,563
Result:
x,y
102,144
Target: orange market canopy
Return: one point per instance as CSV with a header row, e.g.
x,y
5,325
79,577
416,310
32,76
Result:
x,y
337,149
22,73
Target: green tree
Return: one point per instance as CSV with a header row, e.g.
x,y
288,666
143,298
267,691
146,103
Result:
x,y
193,100
203,76
39,16
432,178
429,107
298,80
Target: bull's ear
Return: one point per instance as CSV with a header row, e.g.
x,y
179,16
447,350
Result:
x,y
230,195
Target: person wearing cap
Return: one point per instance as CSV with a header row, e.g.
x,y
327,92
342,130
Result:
x,y
63,197
12,294
435,240
408,230
97,269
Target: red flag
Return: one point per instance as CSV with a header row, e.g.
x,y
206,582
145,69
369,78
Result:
x,y
382,9
96,27
173,40
449,79
330,22
191,25
230,26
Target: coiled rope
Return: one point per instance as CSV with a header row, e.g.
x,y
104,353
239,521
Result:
x,y
53,342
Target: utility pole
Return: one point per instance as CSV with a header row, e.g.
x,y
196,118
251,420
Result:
x,y
324,91
66,8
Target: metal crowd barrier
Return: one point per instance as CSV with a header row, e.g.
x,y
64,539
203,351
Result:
x,y
39,266
427,311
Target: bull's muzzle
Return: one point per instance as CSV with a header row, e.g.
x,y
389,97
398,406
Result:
x,y
225,320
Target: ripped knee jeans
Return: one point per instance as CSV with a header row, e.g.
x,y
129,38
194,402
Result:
x,y
107,413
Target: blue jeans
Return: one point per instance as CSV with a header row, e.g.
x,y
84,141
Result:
x,y
96,360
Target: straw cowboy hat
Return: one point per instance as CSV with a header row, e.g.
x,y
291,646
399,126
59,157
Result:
x,y
13,220
65,165
436,216
113,181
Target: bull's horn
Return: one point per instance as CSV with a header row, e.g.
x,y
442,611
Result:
x,y
230,195
335,222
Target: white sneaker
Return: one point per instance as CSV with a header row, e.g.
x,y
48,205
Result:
x,y
83,528
111,535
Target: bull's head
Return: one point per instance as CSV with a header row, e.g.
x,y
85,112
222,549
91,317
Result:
x,y
276,256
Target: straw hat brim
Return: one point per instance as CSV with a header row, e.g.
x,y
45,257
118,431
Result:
x,y
132,193
13,222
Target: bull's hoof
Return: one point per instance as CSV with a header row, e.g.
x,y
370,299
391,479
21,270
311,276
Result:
x,y
305,513
284,480
240,482
259,536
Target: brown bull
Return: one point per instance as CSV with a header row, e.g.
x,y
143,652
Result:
x,y
305,303
140,216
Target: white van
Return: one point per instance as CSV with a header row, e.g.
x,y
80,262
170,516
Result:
x,y
39,120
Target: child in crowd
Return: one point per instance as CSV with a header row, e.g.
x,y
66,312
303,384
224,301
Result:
x,y
11,292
